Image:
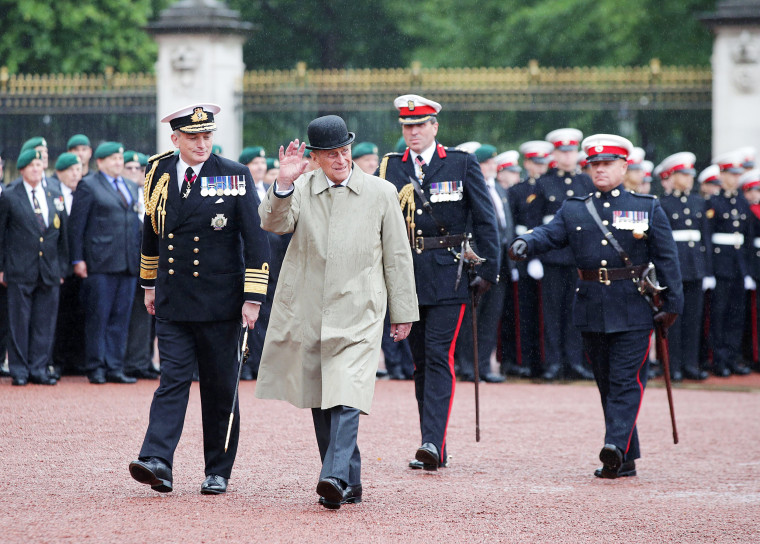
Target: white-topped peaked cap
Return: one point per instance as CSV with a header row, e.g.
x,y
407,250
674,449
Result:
x,y
750,179
536,150
414,109
678,162
468,147
193,118
509,160
750,154
606,147
565,139
635,158
730,162
711,174
647,167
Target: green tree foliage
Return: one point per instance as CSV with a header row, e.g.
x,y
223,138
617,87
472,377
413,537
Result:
x,y
39,36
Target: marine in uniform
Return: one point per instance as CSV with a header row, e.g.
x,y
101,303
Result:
x,y
522,199
750,184
709,181
614,318
562,342
203,266
79,145
686,212
33,255
728,222
454,189
646,183
634,176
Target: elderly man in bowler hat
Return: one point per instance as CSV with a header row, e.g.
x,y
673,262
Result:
x,y
348,259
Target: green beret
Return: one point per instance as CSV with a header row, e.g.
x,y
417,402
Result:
x,y
106,149
66,160
77,139
250,153
400,145
364,148
485,152
272,163
143,159
131,156
31,143
216,149
27,156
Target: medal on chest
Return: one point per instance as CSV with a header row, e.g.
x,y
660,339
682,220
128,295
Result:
x,y
635,221
446,191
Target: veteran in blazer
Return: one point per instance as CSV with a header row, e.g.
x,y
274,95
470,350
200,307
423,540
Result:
x,y
348,261
33,255
204,267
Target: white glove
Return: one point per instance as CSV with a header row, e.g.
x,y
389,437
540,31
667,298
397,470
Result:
x,y
749,284
708,283
535,269
515,275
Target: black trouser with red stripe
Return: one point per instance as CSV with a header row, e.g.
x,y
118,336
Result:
x,y
620,363
433,340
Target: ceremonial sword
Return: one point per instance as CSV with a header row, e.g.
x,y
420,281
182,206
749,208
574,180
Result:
x,y
242,354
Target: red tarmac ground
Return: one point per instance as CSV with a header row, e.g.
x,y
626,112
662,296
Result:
x,y
65,451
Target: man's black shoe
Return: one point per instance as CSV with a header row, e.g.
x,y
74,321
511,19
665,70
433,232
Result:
x,y
611,457
721,372
20,381
418,465
142,374
43,380
512,369
54,373
693,373
214,485
352,495
579,372
154,472
332,492
247,374
676,376
493,377
551,373
97,377
427,454
119,377
739,369
626,469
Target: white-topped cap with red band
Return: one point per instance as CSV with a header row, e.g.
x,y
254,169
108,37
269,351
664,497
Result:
x,y
711,174
536,150
582,159
635,158
509,160
606,147
678,162
414,109
730,162
565,139
647,167
749,154
468,147
750,179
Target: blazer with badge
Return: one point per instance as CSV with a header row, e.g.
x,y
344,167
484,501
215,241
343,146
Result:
x,y
207,254
26,254
552,189
103,231
616,307
456,174
686,212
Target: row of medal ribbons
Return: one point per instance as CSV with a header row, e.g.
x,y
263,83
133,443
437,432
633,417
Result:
x,y
630,220
223,185
446,191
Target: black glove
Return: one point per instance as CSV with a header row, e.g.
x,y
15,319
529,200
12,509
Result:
x,y
664,320
518,251
480,286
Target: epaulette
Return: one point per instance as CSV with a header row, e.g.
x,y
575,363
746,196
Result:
x,y
455,150
642,195
582,198
160,156
392,154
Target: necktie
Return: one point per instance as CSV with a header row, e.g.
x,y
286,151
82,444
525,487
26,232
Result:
x,y
38,211
118,192
187,184
421,163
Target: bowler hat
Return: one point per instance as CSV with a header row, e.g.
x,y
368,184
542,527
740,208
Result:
x,y
328,132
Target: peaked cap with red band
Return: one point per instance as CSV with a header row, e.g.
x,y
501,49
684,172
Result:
x,y
678,162
414,109
635,158
537,150
606,147
509,160
711,174
565,139
730,162
750,179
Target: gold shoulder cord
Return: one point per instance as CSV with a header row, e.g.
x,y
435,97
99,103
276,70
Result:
x,y
406,199
155,196
383,167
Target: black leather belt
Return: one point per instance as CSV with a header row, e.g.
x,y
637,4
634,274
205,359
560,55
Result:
x,y
607,275
438,242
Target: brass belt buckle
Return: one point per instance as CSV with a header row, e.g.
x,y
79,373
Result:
x,y
419,244
603,276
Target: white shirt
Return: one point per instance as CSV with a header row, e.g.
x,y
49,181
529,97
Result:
x,y
497,203
427,156
260,189
182,167
41,199
68,197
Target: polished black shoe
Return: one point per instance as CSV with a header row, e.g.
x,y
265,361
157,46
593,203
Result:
x,y
142,374
381,374
579,372
332,492
397,374
693,373
246,374
676,376
740,370
119,377
20,381
154,472
214,485
551,373
97,377
419,465
42,380
54,372
626,469
352,495
493,377
516,370
721,372
611,457
427,454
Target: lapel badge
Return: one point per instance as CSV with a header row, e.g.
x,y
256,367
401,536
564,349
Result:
x,y
219,222
58,202
57,221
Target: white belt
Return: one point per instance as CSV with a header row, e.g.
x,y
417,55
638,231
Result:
x,y
728,238
756,243
520,230
548,219
687,235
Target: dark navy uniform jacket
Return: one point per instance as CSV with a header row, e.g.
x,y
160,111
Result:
x,y
27,254
619,306
212,254
435,270
754,244
552,189
522,197
728,222
103,231
686,213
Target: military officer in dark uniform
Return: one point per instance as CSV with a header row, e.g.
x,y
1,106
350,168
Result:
x,y
203,265
615,320
562,342
728,220
686,213
453,189
522,198
750,184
